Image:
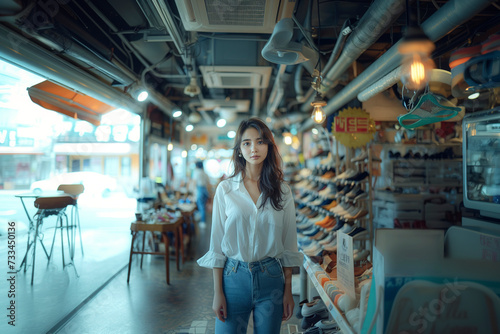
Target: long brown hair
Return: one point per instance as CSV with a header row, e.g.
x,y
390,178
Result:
x,y
271,176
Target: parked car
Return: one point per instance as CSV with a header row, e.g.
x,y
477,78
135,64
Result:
x,y
94,183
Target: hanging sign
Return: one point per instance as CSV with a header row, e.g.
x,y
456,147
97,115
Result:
x,y
345,264
353,127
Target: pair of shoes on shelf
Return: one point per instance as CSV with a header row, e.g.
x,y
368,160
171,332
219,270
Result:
x,y
310,320
302,303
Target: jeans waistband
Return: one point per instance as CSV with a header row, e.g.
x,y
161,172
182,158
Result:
x,y
250,265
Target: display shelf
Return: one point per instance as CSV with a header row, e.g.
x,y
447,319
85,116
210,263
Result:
x,y
339,318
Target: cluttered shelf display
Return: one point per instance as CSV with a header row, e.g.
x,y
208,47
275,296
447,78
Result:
x,y
333,202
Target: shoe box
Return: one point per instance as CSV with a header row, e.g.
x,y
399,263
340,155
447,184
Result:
x,y
420,288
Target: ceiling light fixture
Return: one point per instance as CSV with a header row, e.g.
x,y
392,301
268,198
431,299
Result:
x,y
192,89
318,114
170,146
138,92
142,96
189,127
231,134
184,154
221,122
177,113
473,96
416,49
287,138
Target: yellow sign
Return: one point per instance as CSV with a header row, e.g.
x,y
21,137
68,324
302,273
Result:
x,y
353,127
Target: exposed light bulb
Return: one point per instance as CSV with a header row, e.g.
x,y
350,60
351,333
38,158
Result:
x,y
221,122
416,65
314,131
231,134
189,127
318,114
416,69
287,138
194,147
177,113
184,154
170,146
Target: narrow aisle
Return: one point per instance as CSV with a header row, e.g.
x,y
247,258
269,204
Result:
x,y
148,305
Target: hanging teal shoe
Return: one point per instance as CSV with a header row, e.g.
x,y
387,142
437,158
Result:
x,y
431,108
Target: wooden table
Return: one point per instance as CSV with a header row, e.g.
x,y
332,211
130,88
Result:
x,y
174,226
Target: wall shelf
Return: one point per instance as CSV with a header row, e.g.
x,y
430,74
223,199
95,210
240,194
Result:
x,y
336,314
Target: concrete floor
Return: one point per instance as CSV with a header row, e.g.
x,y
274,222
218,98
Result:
x,y
99,300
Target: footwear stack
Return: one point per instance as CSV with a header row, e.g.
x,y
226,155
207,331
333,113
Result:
x,y
313,312
329,201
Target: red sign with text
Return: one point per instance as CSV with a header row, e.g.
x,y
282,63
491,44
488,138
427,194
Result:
x,y
352,124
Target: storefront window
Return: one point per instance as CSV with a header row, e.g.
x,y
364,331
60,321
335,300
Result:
x,y
37,144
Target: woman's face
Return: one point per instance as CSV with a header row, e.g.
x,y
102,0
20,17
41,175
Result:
x,y
252,147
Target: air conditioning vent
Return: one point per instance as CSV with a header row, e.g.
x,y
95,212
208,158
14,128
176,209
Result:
x,y
248,13
236,76
242,16
238,106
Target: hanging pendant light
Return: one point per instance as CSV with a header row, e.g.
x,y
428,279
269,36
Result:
x,y
318,114
416,49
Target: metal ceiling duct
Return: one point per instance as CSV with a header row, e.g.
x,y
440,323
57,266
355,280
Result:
x,y
447,18
377,19
21,52
384,83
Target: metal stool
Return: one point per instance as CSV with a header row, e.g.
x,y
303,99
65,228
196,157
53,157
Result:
x,y
50,206
74,190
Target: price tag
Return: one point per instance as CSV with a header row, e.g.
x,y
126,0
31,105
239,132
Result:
x,y
345,264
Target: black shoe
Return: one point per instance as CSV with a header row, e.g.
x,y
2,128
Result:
x,y
310,321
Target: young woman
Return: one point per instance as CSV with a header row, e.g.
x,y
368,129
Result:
x,y
253,243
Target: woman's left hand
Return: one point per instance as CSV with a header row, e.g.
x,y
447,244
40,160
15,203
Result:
x,y
288,304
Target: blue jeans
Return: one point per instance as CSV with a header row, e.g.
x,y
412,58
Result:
x,y
256,286
201,202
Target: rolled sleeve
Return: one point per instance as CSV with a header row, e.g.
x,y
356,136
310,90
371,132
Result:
x,y
291,256
215,258
212,260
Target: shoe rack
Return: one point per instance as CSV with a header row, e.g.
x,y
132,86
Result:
x,y
421,186
335,195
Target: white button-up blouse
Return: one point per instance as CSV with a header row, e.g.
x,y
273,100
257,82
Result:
x,y
242,231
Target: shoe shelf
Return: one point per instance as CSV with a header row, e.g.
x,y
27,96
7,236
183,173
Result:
x,y
334,311
420,172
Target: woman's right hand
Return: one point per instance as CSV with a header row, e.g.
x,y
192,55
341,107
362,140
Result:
x,y
219,306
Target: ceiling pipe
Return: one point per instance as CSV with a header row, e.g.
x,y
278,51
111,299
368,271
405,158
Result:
x,y
23,53
276,93
345,31
384,83
155,97
451,15
256,102
377,19
67,46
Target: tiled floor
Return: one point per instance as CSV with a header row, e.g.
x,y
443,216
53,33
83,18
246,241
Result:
x,y
149,305
99,300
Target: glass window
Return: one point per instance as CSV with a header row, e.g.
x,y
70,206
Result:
x,y
126,166
111,166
